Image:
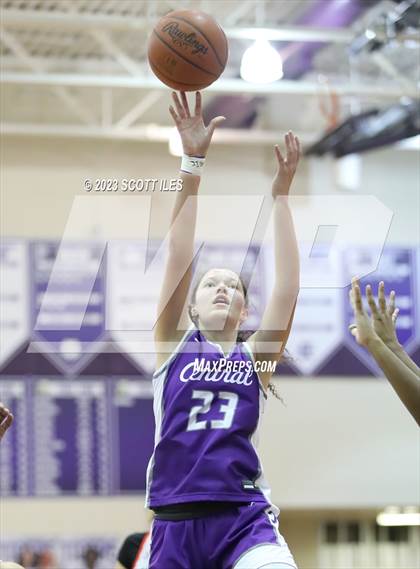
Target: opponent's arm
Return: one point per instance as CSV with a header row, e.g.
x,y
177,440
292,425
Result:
x,y
384,317
178,272
6,419
269,342
404,380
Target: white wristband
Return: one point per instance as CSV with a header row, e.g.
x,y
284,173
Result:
x,y
192,164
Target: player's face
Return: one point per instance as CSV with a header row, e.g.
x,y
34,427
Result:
x,y
219,298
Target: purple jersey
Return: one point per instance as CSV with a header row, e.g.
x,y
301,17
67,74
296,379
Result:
x,y
207,408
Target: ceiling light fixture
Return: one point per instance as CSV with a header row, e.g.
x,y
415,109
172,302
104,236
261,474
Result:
x,y
399,517
261,63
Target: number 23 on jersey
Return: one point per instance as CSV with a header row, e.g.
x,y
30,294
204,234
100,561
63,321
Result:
x,y
226,402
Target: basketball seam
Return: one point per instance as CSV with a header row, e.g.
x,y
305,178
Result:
x,y
204,36
152,64
184,58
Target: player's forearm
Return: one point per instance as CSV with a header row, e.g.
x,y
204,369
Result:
x,y
286,250
405,382
399,351
184,217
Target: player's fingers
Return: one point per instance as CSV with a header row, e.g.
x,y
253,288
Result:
x,y
4,412
356,294
381,296
5,423
279,155
395,315
215,122
184,101
289,144
293,151
178,106
391,303
297,143
358,299
173,114
371,301
197,110
8,420
354,282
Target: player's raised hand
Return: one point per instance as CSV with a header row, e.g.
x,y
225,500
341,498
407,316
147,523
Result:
x,y
194,134
286,165
362,329
6,419
384,315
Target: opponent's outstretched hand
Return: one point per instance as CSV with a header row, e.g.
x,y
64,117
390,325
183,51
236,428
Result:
x,y
194,134
383,317
286,166
6,419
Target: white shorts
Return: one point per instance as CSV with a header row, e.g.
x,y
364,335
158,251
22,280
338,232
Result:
x,y
267,556
143,554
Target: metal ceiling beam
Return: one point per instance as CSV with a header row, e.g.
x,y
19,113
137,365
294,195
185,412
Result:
x,y
238,12
60,91
76,20
106,108
104,40
100,66
155,133
139,109
380,91
293,33
147,132
389,68
70,20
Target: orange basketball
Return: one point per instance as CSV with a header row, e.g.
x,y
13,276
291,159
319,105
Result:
x,y
187,50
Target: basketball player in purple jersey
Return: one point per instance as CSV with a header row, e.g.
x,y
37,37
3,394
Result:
x,y
204,480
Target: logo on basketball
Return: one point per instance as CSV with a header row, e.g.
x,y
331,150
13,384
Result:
x,y
184,40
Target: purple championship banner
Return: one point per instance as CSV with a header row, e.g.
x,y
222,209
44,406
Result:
x,y
82,436
68,301
133,433
132,297
70,437
15,447
317,330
